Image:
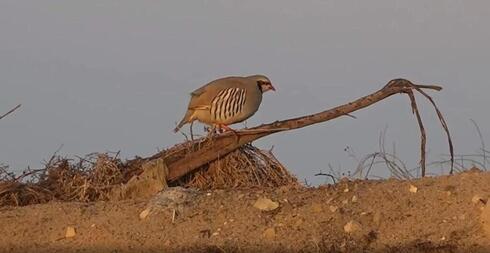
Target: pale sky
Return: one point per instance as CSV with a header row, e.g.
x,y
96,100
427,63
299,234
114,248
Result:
x,y
111,75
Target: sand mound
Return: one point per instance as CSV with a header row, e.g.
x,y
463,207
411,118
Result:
x,y
445,214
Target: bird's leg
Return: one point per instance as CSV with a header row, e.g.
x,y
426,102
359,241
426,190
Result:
x,y
226,128
192,132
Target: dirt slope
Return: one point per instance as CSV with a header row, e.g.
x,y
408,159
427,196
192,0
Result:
x,y
445,214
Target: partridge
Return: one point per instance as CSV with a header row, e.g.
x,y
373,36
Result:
x,y
226,101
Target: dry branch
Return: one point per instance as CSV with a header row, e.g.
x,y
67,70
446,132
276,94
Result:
x,y
11,111
184,158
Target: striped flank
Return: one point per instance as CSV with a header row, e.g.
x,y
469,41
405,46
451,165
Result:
x,y
228,103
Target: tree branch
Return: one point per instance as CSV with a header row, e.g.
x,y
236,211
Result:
x,y
183,159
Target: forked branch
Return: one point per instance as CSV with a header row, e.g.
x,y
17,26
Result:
x,y
185,159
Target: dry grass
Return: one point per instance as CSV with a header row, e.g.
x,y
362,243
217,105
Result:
x,y
93,177
85,179
246,167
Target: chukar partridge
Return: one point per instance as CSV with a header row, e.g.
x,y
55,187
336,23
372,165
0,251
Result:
x,y
226,101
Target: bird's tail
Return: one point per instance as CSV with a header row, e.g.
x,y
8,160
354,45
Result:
x,y
187,118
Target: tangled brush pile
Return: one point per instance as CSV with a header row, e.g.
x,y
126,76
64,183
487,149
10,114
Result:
x,y
95,176
247,166
85,179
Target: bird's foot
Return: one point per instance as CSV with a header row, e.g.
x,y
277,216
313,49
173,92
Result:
x,y
226,128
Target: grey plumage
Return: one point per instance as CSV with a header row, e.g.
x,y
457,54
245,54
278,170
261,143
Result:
x,y
226,101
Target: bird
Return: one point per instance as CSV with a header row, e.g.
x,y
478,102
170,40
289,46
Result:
x,y
226,101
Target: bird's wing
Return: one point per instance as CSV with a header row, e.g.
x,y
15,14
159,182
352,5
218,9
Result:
x,y
196,102
200,107
198,92
201,98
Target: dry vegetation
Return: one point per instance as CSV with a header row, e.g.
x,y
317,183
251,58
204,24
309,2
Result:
x,y
245,167
95,176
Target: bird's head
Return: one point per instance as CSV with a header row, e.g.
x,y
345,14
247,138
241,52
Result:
x,y
263,82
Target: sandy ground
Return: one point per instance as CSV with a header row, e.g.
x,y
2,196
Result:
x,y
443,214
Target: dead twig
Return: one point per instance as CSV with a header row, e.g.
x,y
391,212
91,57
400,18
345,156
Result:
x,y
326,175
423,136
11,111
394,164
482,143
